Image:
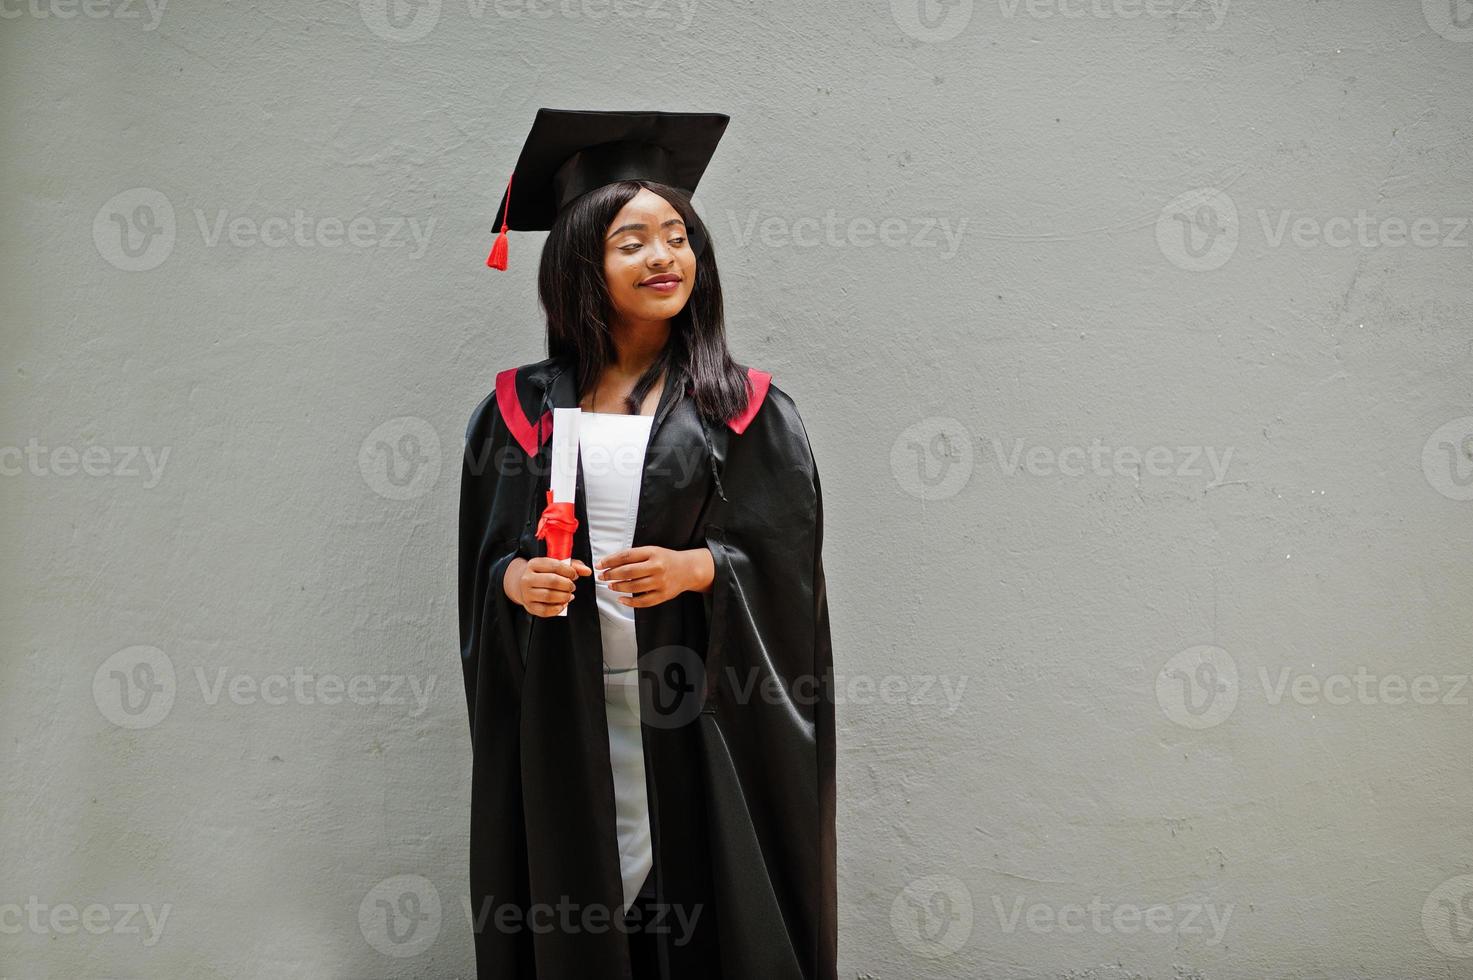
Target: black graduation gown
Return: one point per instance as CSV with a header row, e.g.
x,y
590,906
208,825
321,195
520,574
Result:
x,y
737,702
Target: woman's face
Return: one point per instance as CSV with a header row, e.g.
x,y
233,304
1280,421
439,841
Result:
x,y
648,262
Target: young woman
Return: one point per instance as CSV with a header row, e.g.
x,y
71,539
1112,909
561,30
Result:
x,y
653,785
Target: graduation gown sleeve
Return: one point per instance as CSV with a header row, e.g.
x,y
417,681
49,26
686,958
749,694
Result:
x,y
768,725
492,514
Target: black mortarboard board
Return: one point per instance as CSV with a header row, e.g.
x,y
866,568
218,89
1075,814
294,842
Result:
x,y
571,152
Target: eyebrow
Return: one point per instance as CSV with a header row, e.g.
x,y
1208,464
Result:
x,y
639,226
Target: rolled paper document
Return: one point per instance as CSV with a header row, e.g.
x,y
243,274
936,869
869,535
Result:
x,y
558,521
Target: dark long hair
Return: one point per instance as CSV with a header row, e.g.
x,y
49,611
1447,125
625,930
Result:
x,y
575,297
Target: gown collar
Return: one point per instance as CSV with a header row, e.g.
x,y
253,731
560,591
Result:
x,y
559,384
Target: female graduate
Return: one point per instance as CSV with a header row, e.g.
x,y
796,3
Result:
x,y
652,726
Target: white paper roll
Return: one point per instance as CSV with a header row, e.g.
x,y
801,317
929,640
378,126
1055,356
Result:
x,y
565,461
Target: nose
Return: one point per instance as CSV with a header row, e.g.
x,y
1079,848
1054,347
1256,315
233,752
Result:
x,y
661,255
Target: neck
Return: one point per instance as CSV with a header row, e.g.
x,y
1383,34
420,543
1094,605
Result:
x,y
637,344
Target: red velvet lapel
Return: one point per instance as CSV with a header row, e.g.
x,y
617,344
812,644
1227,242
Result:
x,y
531,437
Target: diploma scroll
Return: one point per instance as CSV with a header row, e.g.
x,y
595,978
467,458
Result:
x,y
558,522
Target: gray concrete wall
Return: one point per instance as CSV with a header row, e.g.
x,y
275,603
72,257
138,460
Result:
x,y
1132,340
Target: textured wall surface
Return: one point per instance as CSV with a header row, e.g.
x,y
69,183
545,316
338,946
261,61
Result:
x,y
1132,339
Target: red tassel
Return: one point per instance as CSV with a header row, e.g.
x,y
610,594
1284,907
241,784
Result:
x,y
497,258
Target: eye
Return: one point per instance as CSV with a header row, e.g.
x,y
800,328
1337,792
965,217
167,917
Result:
x,y
678,240
629,248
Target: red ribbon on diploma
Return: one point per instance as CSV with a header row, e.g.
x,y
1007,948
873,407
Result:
x,y
557,525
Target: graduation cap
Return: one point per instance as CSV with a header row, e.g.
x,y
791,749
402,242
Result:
x,y
570,152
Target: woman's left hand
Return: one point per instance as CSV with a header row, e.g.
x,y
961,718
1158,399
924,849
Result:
x,y
654,575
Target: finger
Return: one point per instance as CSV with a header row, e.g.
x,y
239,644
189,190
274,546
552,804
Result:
x,y
626,556
547,606
634,570
642,584
639,589
651,598
555,598
582,568
544,564
552,587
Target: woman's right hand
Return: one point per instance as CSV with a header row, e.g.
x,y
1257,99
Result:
x,y
542,585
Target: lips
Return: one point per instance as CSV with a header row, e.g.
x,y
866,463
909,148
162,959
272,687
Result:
x,y
661,280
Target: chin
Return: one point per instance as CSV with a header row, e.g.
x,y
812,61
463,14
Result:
x,y
656,307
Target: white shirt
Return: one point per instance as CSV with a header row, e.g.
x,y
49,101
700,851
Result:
x,y
611,448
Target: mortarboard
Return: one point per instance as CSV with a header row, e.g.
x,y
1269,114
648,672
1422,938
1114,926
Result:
x,y
571,152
